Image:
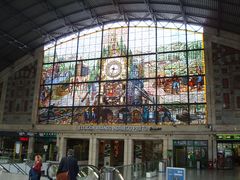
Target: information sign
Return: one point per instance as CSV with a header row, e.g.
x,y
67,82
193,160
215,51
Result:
x,y
174,173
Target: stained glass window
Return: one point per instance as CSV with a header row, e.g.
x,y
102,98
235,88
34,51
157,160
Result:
x,y
138,72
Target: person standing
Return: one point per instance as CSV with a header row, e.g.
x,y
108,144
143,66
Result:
x,y
69,164
35,171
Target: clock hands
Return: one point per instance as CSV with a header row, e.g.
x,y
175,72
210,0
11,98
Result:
x,y
113,69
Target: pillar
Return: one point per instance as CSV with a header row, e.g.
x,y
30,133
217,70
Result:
x,y
30,147
128,151
62,144
165,148
93,151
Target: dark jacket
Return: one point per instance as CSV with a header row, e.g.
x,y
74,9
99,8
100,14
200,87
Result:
x,y
69,164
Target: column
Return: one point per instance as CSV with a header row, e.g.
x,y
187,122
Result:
x,y
62,147
128,151
170,147
128,157
165,148
30,147
93,151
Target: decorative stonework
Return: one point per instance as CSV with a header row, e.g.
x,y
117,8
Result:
x,y
19,95
226,65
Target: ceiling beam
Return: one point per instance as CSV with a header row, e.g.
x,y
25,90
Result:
x,y
93,15
219,16
120,11
60,16
13,41
36,28
183,12
150,10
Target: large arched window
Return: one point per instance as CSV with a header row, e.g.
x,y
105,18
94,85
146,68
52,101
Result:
x,y
141,72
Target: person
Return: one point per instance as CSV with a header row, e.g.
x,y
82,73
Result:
x,y
166,114
35,171
69,164
175,84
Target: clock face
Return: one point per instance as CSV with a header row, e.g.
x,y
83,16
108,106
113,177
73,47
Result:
x,y
113,69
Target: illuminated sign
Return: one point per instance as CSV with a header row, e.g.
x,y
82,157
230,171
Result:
x,y
117,128
228,137
23,139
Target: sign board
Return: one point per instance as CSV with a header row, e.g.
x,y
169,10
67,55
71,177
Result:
x,y
228,137
174,173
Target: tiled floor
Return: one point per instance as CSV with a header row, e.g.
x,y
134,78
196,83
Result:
x,y
7,176
191,174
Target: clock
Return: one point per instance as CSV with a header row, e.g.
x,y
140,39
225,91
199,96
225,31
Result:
x,y
113,69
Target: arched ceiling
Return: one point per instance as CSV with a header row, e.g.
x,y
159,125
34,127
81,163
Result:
x,y
28,24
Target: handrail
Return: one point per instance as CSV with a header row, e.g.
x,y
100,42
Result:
x,y
18,168
3,168
11,162
54,167
110,170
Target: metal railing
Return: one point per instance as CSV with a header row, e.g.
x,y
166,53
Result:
x,y
141,170
126,172
86,172
9,165
110,173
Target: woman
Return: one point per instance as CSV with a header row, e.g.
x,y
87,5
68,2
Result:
x,y
35,171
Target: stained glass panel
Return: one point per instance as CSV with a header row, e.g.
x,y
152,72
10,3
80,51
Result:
x,y
196,63
113,93
142,39
86,94
89,45
114,68
47,71
141,91
194,37
198,114
63,72
88,71
171,37
54,115
196,88
142,67
62,115
44,96
83,115
66,51
62,95
49,55
172,90
115,42
113,79
170,64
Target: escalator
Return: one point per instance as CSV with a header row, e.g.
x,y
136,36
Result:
x,y
86,172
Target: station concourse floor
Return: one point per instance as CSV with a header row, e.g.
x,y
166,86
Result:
x,y
206,174
191,174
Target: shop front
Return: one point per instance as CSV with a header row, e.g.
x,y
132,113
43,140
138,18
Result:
x,y
228,151
148,150
111,152
190,153
14,145
45,145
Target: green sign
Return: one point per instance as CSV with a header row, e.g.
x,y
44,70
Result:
x,y
234,137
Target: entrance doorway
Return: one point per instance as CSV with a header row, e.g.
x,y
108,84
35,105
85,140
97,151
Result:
x,y
190,153
111,152
81,149
180,156
148,150
228,154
